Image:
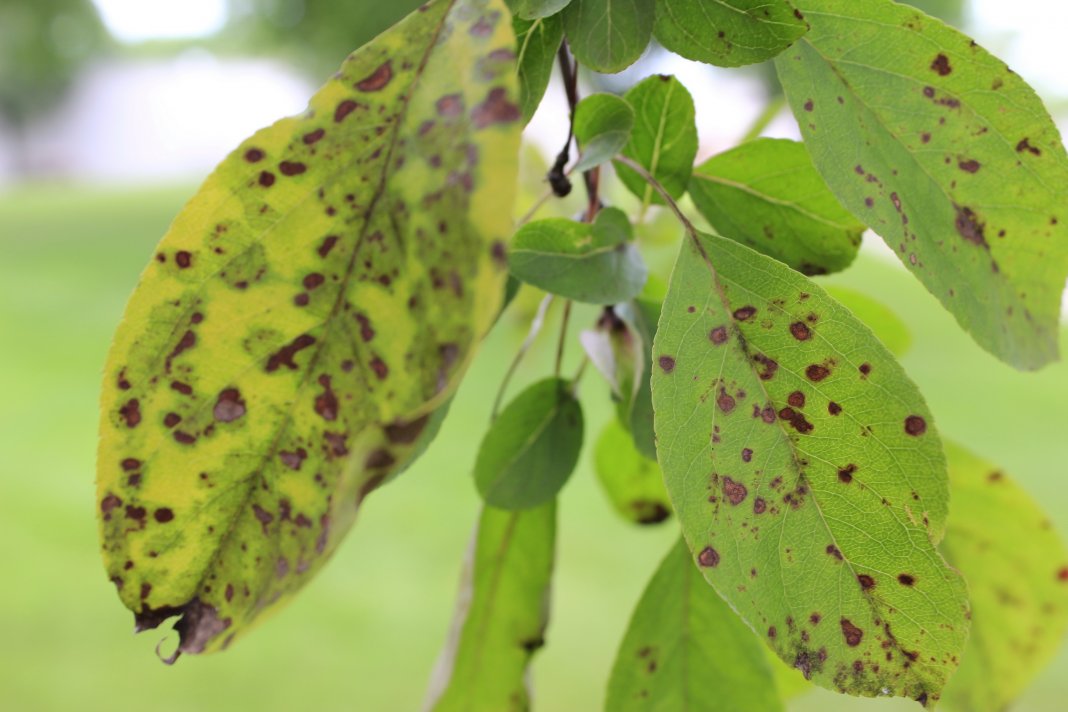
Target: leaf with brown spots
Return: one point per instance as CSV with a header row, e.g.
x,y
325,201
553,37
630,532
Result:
x,y
946,153
760,484
306,320
1014,572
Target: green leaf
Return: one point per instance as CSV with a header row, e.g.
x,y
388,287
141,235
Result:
x,y
538,41
603,123
728,33
641,317
767,195
301,322
664,140
1017,572
502,613
609,35
631,481
887,325
536,9
616,351
948,155
686,649
595,263
807,474
530,451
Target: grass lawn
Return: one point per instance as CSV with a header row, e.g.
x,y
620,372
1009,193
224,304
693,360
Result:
x,y
364,635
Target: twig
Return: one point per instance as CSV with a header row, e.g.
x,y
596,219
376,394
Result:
x,y
535,329
564,322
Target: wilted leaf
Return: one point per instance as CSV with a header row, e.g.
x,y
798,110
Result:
x,y
878,317
686,649
595,263
537,41
535,9
767,195
806,473
531,449
664,140
306,315
603,123
609,35
728,33
1017,572
948,155
501,615
632,482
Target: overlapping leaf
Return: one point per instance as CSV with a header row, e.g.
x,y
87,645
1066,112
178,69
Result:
x,y
728,33
302,320
609,35
946,153
806,473
602,125
632,482
536,9
537,43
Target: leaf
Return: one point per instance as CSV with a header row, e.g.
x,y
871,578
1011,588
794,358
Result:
x,y
537,41
502,613
686,649
1017,571
632,482
616,351
766,194
727,33
603,123
807,474
531,449
641,317
595,263
536,9
664,140
876,316
946,153
301,322
609,35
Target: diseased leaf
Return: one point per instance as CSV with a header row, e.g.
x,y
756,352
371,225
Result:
x,y
728,33
807,475
686,649
609,35
502,613
887,325
767,195
603,123
536,9
664,140
302,321
595,263
948,155
537,41
631,481
1017,572
531,449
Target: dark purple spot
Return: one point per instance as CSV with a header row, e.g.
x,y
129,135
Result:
x,y
971,166
1025,145
451,105
845,474
292,168
254,155
380,368
866,582
131,412
326,404
266,179
314,136
718,335
708,558
406,433
378,80
313,280
378,459
496,109
171,419
809,105
328,244
163,515
833,408
906,579
745,313
800,331
759,505
817,373
229,406
725,401
796,399
285,355
293,460
667,364
769,367
747,454
915,425
969,227
183,259
344,109
941,65
735,492
852,634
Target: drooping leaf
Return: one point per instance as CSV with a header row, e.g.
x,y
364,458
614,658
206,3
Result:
x,y
501,616
302,321
603,123
728,33
1017,571
615,350
531,449
631,481
686,649
595,263
878,317
806,473
962,172
537,41
664,140
536,9
767,194
609,35
641,317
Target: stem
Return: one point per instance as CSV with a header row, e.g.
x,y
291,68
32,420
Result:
x,y
648,177
535,329
771,111
569,71
564,322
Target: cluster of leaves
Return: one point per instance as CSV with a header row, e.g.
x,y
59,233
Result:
x,y
297,338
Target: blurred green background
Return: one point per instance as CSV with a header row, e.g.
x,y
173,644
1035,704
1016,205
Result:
x,y
365,634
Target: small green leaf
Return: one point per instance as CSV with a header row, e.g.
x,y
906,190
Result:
x,y
531,449
767,194
595,263
664,140
609,35
501,616
536,9
807,474
631,481
948,155
304,321
603,123
1017,572
878,317
686,649
537,41
728,33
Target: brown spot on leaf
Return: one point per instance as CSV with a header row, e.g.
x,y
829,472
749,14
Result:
x,y
378,79
108,504
1025,145
796,399
667,364
768,366
344,109
188,341
131,413
809,105
293,460
313,137
970,166
735,492
759,505
745,313
906,579
941,65
266,179
725,401
832,550
845,474
817,372
292,168
866,582
183,259
229,406
163,515
915,425
833,408
851,633
718,335
496,109
254,155
378,459
328,244
800,331
285,355
969,227
263,516
326,404
708,558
